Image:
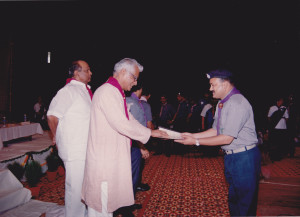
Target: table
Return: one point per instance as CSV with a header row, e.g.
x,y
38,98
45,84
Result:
x,y
39,148
18,131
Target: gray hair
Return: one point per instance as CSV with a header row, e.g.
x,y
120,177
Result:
x,y
127,64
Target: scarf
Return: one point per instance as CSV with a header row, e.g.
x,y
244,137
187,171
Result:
x,y
220,106
87,87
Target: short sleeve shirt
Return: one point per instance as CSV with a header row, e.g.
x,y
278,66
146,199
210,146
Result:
x,y
147,109
205,109
71,105
237,120
135,108
282,123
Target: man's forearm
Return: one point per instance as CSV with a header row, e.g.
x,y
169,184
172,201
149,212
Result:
x,y
140,145
208,133
52,123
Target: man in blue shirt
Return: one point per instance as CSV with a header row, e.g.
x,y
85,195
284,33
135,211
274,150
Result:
x,y
138,150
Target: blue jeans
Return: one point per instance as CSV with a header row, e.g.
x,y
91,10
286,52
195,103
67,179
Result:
x,y
242,172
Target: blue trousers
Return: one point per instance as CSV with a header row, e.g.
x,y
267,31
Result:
x,y
136,158
242,171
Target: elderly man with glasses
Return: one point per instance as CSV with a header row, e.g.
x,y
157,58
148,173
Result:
x,y
107,184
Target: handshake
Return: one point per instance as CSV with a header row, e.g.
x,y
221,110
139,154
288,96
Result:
x,y
166,134
184,138
172,134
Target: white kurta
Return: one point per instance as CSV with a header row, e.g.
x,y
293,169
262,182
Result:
x,y
108,153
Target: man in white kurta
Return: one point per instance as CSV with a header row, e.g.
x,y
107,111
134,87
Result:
x,y
69,118
107,183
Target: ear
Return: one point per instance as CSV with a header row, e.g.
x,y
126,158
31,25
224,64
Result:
x,y
75,74
225,84
122,71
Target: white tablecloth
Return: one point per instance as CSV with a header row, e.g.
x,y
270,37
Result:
x,y
12,192
15,200
35,208
18,151
18,131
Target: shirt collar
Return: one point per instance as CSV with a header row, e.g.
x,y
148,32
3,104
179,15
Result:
x,y
73,81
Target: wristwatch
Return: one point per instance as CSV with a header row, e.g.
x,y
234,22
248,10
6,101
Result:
x,y
197,142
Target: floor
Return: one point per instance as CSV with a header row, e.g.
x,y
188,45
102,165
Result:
x,y
279,190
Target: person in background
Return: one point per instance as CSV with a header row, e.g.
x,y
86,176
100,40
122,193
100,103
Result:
x,y
69,119
167,112
292,124
148,114
40,112
234,130
145,95
148,111
207,115
138,150
278,130
194,118
204,100
180,120
107,184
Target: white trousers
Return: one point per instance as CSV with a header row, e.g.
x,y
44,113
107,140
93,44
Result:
x,y
104,196
73,186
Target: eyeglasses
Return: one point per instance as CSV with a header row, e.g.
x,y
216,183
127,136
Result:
x,y
133,76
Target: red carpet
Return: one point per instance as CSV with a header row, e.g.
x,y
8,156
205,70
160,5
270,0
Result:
x,y
189,185
184,185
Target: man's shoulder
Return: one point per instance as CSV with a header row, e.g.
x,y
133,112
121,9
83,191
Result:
x,y
72,86
274,107
106,88
207,106
238,98
130,99
131,102
145,103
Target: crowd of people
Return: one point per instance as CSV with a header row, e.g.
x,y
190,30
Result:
x,y
104,137
190,114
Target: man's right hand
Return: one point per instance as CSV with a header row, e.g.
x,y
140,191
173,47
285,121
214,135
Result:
x,y
53,140
52,123
159,134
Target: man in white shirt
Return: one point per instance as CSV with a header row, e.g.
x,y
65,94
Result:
x,y
69,119
278,134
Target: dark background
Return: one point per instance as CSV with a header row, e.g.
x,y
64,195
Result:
x,y
176,42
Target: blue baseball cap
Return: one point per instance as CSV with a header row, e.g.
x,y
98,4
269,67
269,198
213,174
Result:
x,y
219,74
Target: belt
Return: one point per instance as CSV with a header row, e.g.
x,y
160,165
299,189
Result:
x,y
238,150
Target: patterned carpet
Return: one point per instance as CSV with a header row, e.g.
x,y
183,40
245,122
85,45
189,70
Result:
x,y
189,185
186,185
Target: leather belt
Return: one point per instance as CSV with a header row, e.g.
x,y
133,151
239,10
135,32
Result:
x,y
238,150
